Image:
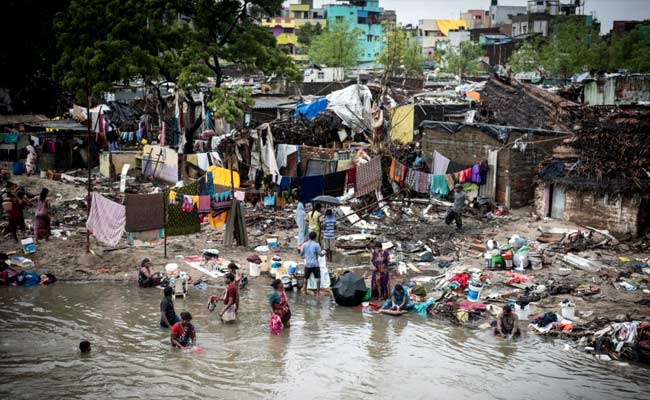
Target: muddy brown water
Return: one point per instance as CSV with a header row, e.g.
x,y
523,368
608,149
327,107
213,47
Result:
x,y
330,352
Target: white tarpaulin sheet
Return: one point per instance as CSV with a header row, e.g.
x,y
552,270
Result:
x,y
353,105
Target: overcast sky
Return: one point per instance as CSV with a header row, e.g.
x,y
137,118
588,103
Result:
x,y
410,11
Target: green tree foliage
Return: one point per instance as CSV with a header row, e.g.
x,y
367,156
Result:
x,y
229,103
307,32
573,47
463,60
527,58
104,41
337,46
401,55
630,52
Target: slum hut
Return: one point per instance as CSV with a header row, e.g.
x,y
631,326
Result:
x,y
513,155
600,177
267,108
13,139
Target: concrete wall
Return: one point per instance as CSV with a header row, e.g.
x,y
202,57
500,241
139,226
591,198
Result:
x,y
515,169
621,216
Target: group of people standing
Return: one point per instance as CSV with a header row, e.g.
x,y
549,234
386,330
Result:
x,y
14,203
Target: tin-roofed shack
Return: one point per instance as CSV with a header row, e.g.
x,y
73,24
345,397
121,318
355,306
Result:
x,y
513,154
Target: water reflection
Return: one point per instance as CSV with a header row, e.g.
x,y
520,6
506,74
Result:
x,y
329,352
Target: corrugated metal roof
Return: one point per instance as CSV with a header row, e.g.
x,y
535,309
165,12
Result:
x,y
273,102
63,124
21,119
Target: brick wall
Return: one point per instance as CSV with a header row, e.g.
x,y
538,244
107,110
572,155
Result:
x,y
515,169
619,215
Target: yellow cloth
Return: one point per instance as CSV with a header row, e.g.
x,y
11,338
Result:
x,y
172,197
218,221
195,201
402,120
221,176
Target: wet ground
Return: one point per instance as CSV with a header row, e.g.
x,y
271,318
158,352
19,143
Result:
x,y
330,352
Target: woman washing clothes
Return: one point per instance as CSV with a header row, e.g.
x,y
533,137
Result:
x,y
400,300
42,228
278,303
146,278
380,276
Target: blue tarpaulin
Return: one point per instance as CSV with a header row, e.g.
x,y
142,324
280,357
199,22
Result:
x,y
311,110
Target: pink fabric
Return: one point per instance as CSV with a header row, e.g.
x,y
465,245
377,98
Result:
x,y
275,325
162,134
107,220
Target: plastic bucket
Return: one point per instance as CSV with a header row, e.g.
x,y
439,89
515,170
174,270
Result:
x,y
568,311
272,243
522,313
19,168
171,268
474,291
253,269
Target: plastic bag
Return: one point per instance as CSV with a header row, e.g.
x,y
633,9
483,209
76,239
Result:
x,y
275,325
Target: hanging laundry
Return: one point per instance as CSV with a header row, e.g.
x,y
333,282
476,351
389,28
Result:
x,y
352,176
422,185
188,206
465,175
144,212
150,238
202,161
204,204
310,187
221,176
218,220
282,153
209,184
483,170
334,184
440,164
172,197
269,163
285,182
368,177
411,179
239,195
106,220
179,221
476,174
450,181
439,186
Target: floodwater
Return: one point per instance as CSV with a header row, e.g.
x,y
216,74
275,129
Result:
x,y
329,352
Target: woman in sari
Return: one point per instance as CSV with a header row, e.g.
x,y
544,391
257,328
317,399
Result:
x,y
278,302
42,217
380,285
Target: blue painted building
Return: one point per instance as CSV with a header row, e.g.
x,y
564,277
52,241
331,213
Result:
x,y
365,15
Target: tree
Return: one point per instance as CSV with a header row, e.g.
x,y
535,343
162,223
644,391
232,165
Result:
x,y
307,32
227,33
527,58
464,59
573,47
401,55
229,103
630,52
337,46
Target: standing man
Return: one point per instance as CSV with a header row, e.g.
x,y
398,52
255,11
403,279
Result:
x,y
311,251
456,210
230,299
168,315
329,229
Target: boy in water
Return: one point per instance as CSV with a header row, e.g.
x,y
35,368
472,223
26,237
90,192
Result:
x,y
84,346
183,333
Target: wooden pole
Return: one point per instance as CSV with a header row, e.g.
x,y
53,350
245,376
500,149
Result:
x,y
165,201
88,123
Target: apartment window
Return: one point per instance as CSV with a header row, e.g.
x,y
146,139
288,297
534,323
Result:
x,y
376,38
339,19
321,75
369,38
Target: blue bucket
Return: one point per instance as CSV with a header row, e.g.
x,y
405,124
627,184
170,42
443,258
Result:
x,y
474,291
19,168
